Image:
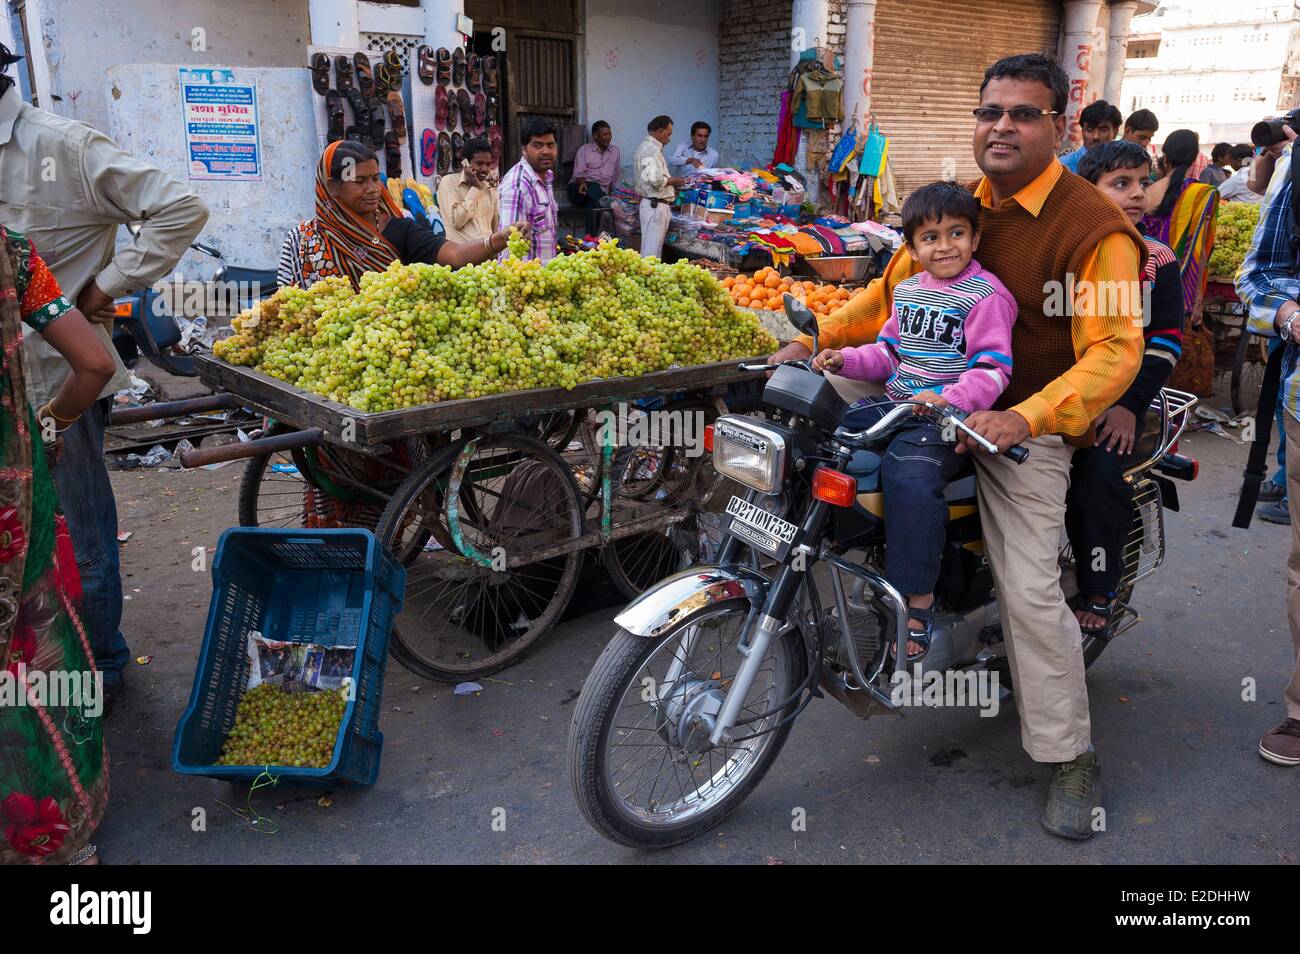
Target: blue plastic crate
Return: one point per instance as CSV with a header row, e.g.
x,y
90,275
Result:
x,y
338,588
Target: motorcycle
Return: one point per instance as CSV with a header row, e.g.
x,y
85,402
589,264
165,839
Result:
x,y
145,320
692,699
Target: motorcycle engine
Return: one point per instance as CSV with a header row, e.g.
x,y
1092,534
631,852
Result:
x,y
870,623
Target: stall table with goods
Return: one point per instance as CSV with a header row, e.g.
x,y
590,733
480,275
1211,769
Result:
x,y
489,425
1237,353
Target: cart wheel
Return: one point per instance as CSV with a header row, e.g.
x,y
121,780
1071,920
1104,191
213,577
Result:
x,y
273,492
688,470
637,562
1248,373
460,619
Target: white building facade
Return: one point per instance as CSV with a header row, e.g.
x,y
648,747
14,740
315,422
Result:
x,y
1212,67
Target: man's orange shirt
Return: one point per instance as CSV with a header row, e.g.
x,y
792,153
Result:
x,y
1107,348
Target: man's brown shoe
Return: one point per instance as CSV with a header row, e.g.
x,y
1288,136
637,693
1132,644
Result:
x,y
1074,793
1282,745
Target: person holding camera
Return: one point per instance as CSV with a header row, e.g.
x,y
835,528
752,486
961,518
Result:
x,y
1268,283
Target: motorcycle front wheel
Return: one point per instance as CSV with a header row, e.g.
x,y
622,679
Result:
x,y
642,776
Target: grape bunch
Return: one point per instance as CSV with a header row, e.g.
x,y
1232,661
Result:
x,y
290,729
1234,229
415,334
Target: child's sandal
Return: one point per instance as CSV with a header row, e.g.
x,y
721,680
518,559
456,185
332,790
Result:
x,y
921,637
1104,610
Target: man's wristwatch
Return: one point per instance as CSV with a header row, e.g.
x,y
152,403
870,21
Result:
x,y
1287,323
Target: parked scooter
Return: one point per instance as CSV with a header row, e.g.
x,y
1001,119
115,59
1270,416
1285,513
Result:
x,y
146,324
692,699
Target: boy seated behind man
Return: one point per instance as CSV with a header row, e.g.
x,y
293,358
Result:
x,y
947,341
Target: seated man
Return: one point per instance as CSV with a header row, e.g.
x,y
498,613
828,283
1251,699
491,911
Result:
x,y
595,171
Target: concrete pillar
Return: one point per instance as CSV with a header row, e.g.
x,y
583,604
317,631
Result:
x,y
1077,48
334,23
808,20
1121,21
440,23
859,58
1097,72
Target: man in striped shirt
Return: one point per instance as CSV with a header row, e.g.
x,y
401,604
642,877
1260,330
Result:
x,y
1047,235
526,190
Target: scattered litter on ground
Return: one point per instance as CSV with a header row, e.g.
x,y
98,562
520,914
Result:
x,y
144,660
467,688
125,535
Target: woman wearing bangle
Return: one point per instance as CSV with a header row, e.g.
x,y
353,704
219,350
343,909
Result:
x,y
53,765
358,227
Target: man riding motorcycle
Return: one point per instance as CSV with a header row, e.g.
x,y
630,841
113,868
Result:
x,y
1046,233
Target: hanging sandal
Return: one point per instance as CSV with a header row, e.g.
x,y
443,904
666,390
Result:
x,y
474,74
377,122
428,153
440,107
444,154
343,72
921,637
453,110
443,62
425,67
320,73
397,113
1104,610
490,77
458,67
360,113
457,149
466,104
365,75
392,156
334,109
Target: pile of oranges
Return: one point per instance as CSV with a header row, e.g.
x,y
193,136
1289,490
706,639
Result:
x,y
765,288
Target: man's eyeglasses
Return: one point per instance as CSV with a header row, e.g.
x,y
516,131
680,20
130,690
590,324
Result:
x,y
1020,115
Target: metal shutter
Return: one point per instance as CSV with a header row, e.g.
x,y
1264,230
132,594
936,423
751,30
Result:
x,y
930,57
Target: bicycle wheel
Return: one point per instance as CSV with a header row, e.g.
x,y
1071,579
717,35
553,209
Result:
x,y
1248,373
478,596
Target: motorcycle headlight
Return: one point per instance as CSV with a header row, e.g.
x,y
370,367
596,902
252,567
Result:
x,y
749,453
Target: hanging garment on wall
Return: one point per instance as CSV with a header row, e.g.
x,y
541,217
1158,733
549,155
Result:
x,y
873,152
886,193
787,134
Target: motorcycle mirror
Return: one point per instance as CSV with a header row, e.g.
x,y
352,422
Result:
x,y
799,314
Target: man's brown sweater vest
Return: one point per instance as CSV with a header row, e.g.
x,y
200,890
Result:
x,y
1028,253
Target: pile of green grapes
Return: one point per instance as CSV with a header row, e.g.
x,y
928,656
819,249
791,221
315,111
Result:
x,y
1234,228
290,729
416,334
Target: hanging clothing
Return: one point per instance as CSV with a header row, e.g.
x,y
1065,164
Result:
x,y
787,134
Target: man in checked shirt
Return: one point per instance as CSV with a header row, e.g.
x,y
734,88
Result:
x,y
527,192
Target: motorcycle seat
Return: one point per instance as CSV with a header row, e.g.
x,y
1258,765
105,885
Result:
x,y
865,468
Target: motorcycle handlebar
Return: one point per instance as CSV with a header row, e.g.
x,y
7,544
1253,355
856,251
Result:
x,y
944,416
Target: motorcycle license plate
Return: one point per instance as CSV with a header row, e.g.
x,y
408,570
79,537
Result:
x,y
761,529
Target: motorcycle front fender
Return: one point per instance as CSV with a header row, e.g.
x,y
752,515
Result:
x,y
678,599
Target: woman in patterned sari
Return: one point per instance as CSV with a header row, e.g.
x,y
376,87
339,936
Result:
x,y
1181,214
53,765
358,227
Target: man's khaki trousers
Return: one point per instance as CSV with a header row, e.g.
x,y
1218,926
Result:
x,y
1022,512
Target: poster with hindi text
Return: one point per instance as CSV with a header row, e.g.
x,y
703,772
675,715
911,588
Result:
x,y
222,139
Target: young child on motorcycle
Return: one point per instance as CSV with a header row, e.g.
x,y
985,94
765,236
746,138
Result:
x,y
947,341
1099,505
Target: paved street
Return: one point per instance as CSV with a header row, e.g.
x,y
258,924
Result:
x,y
1182,780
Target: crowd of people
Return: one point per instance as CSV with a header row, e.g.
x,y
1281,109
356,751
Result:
x,y
980,256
